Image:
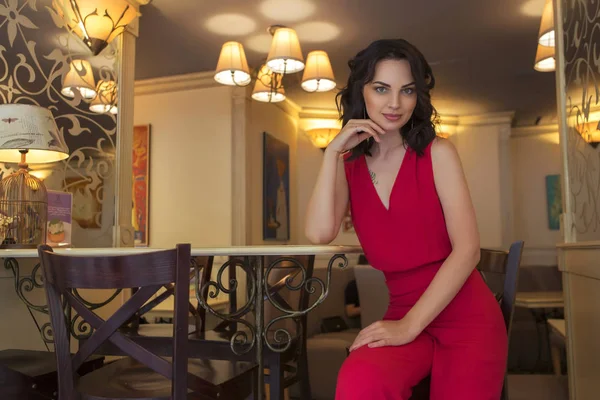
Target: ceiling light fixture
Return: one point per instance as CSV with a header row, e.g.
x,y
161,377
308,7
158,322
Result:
x,y
545,60
284,58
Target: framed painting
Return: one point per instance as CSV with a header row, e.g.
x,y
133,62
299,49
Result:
x,y
141,184
553,201
276,189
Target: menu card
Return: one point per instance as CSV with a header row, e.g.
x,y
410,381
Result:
x,y
58,231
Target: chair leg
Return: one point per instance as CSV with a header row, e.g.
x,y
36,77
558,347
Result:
x,y
303,377
275,379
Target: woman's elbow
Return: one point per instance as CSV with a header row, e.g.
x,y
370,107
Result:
x,y
316,237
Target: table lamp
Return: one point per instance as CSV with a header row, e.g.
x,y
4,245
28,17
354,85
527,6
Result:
x,y
28,134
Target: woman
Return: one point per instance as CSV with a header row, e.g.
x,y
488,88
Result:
x,y
414,218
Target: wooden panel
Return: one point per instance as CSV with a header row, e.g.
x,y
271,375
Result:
x,y
583,331
584,261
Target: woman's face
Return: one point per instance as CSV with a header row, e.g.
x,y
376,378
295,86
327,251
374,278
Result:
x,y
391,96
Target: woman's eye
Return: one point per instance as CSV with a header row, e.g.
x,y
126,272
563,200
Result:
x,y
408,90
380,89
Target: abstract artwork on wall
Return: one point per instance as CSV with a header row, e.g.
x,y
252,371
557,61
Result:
x,y
276,189
554,201
141,184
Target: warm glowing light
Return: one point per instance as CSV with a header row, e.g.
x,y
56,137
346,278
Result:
x,y
268,87
287,10
231,24
317,32
232,67
79,78
318,74
285,55
96,22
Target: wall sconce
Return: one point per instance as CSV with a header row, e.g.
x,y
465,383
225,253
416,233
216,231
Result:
x,y
590,132
321,137
96,22
79,78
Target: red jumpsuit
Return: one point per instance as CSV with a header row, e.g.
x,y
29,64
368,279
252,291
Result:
x,y
465,347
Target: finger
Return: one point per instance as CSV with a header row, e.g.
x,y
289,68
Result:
x,y
379,343
366,129
375,126
365,340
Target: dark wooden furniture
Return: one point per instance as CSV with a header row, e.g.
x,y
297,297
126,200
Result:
x,y
32,374
493,264
284,368
142,375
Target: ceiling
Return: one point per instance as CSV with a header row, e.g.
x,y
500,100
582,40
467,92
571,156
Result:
x,y
481,51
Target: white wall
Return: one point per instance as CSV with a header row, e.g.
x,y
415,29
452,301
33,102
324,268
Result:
x,y
479,150
190,165
534,157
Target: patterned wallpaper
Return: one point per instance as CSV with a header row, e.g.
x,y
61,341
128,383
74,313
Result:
x,y
35,49
581,24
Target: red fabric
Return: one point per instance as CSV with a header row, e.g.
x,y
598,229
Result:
x,y
465,347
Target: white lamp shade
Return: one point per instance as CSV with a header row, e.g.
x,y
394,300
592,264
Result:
x,y
32,128
546,35
285,55
263,90
318,74
79,78
106,99
232,67
544,59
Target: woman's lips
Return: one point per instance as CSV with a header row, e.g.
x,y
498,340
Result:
x,y
392,117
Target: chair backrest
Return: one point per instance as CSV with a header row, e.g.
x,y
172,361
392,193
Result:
x,y
64,274
505,264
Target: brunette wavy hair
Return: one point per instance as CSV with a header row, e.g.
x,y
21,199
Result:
x,y
419,131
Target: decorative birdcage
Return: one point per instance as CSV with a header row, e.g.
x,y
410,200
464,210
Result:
x,y
23,211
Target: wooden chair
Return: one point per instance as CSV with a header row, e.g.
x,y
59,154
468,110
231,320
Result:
x,y
493,263
142,375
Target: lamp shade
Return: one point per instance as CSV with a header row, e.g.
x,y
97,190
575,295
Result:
x,y
79,78
546,36
106,99
232,67
544,59
318,74
96,22
31,128
268,87
321,137
285,55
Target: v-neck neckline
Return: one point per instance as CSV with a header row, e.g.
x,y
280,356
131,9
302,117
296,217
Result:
x,y
375,192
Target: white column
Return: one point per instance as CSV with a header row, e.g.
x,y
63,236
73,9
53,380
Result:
x,y
123,228
482,143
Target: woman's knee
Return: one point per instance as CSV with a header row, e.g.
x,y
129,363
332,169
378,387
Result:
x,y
367,374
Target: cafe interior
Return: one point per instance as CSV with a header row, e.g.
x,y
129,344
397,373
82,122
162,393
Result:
x,y
158,157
